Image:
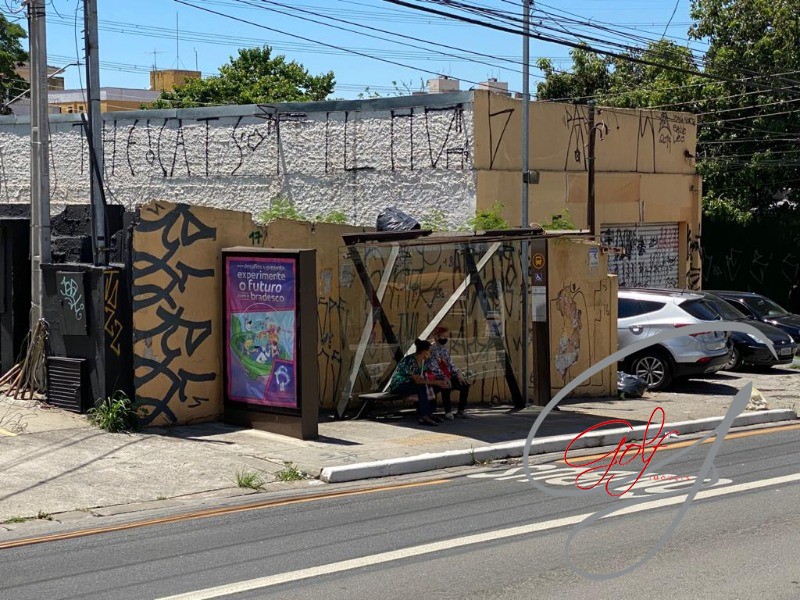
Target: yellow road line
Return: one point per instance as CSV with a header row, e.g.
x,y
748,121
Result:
x,y
213,512
730,436
7,433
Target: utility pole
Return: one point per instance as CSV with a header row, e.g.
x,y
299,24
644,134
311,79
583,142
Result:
x,y
590,198
526,66
40,155
95,137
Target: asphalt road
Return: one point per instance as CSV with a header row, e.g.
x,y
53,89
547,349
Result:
x,y
480,533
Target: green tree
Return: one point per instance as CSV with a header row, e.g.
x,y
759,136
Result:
x,y
624,83
590,76
255,76
750,118
12,56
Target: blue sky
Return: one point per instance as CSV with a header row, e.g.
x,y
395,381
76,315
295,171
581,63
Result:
x,y
136,34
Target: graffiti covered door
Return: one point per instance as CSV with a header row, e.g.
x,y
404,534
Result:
x,y
650,254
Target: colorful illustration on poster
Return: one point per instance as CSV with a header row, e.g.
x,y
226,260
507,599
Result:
x,y
261,327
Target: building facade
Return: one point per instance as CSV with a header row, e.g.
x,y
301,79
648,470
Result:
x,y
438,157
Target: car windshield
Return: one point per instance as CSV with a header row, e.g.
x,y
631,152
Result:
x,y
725,310
764,307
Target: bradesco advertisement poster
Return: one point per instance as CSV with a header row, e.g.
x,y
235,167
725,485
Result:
x,y
261,331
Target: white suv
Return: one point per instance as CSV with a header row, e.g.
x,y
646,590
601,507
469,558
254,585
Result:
x,y
643,313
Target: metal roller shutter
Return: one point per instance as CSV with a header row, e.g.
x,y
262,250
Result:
x,y
650,257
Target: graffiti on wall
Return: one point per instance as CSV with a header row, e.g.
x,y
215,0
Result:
x,y
579,314
656,131
647,255
204,147
569,338
174,355
694,273
112,324
422,280
71,295
763,270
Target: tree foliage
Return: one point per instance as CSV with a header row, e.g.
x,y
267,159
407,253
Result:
x,y
255,76
747,123
12,55
749,166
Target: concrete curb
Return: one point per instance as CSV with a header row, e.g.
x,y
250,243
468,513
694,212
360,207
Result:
x,y
515,449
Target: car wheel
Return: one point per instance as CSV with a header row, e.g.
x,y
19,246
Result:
x,y
734,360
654,369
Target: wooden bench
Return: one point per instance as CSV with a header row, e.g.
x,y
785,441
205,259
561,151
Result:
x,y
370,399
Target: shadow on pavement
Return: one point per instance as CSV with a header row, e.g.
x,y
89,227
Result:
x,y
494,425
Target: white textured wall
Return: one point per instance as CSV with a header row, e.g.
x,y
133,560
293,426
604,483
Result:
x,y
356,157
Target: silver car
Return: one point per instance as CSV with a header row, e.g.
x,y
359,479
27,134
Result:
x,y
643,313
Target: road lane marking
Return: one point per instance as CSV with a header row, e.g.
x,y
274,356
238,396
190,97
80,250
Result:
x,y
7,433
459,542
214,512
678,445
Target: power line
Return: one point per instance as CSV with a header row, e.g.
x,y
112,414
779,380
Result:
x,y
388,61
559,41
400,35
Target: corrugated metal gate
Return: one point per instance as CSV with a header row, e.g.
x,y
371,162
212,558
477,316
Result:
x,y
650,254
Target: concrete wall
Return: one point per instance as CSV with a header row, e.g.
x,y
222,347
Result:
x,y
356,156
177,303
582,313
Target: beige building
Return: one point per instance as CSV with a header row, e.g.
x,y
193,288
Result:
x,y
53,83
168,79
112,99
647,192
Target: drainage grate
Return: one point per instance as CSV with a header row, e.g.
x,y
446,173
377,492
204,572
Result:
x,y
65,386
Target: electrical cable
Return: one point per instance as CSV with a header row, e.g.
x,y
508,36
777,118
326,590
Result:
x,y
239,19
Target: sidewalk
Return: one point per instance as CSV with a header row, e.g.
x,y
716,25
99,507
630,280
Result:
x,y
58,465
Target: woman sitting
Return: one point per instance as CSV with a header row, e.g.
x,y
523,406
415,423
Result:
x,y
410,378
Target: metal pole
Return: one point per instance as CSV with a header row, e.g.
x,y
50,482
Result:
x,y
40,154
590,199
96,132
526,11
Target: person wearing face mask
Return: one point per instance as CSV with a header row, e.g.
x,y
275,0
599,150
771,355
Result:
x,y
441,365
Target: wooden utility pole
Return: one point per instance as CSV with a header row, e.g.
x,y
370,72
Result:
x,y
590,198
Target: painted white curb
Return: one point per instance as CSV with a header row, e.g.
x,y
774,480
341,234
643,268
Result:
x,y
556,443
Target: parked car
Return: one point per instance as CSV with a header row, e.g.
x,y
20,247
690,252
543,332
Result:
x,y
746,349
643,313
763,309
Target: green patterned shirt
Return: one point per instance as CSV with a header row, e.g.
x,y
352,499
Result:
x,y
408,366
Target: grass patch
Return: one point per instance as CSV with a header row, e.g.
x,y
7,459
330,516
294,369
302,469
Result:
x,y
249,479
41,515
17,520
290,472
115,414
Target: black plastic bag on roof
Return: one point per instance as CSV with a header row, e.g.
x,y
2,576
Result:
x,y
630,386
394,219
